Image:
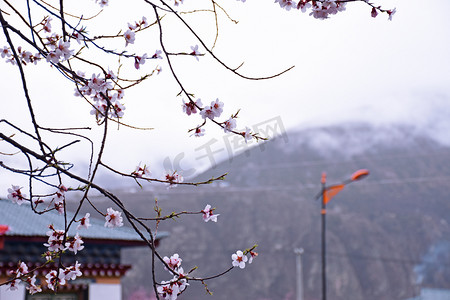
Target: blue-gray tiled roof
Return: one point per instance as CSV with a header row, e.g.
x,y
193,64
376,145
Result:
x,y
24,222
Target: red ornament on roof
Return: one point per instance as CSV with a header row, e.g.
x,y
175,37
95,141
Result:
x,y
3,229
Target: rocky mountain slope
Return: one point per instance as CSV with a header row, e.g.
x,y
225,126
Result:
x,y
387,235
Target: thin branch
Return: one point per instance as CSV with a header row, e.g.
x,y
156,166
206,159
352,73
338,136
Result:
x,y
221,177
5,27
63,21
211,53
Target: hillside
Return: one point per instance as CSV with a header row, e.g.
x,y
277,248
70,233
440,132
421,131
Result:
x,y
386,236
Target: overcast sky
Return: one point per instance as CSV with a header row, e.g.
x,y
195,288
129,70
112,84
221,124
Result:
x,y
350,67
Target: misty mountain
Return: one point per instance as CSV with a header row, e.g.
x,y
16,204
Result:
x,y
387,235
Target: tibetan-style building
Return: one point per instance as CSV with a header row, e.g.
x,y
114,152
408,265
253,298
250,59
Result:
x,y
23,233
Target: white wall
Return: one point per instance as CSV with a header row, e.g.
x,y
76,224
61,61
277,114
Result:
x,y
18,294
100,291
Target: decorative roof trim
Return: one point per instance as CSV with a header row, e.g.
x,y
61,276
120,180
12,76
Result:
x,y
88,270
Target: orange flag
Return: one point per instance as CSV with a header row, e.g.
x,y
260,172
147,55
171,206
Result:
x,y
331,192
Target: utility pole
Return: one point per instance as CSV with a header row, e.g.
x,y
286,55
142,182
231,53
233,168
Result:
x,y
323,213
326,193
298,259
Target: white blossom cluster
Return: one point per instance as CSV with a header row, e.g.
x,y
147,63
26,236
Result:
x,y
211,112
22,274
171,289
239,258
106,100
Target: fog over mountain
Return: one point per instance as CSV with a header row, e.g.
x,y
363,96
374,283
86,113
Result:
x,y
387,236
